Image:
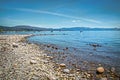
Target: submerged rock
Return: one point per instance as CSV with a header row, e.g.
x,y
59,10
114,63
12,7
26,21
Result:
x,y
95,45
100,70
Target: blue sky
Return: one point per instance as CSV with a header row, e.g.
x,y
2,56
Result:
x,y
60,13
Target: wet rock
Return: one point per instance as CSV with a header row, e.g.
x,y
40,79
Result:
x,y
95,45
53,47
56,48
33,62
112,69
62,65
66,70
100,70
48,46
66,48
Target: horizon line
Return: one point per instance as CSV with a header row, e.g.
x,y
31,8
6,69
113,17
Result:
x,y
61,27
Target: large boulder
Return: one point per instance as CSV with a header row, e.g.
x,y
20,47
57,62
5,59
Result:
x,y
100,70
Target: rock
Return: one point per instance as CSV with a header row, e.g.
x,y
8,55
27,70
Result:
x,y
15,45
33,62
95,45
48,46
112,69
35,78
48,56
77,69
103,79
44,61
71,75
88,75
1,72
66,70
66,48
56,48
62,65
15,65
51,57
100,70
53,78
45,55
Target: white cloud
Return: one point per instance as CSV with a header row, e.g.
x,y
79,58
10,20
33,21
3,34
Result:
x,y
57,14
76,21
73,21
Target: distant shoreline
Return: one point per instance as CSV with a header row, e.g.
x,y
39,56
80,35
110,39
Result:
x,y
32,28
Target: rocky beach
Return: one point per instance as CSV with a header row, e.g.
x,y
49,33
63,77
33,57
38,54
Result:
x,y
20,60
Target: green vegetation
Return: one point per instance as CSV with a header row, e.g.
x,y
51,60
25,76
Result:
x,y
1,30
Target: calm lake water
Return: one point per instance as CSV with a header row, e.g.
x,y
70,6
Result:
x,y
79,44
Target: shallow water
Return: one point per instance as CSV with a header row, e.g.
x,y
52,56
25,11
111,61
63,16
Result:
x,y
79,44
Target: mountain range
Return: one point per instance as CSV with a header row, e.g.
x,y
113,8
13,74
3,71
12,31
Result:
x,y
31,28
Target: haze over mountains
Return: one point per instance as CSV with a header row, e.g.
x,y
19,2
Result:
x,y
31,28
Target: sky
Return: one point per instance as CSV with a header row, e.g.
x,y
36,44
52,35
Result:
x,y
60,13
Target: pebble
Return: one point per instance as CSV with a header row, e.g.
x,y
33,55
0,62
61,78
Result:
x,y
48,56
103,79
66,70
33,62
15,65
112,69
100,70
71,75
78,69
45,61
62,65
1,72
53,78
35,78
15,45
88,75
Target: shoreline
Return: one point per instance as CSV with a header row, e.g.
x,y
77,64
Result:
x,y
23,60
20,60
